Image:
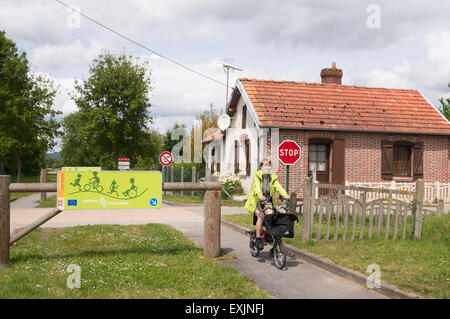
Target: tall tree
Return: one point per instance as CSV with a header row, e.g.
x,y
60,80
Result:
x,y
445,109
115,109
78,149
206,124
27,120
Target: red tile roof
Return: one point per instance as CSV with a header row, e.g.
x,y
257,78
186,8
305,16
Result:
x,y
342,107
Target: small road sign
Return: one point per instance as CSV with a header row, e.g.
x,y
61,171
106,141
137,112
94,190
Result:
x,y
123,163
289,152
166,158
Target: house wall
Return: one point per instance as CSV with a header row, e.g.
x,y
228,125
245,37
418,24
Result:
x,y
236,133
363,156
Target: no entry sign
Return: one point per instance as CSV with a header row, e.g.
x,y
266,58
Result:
x,y
166,158
289,152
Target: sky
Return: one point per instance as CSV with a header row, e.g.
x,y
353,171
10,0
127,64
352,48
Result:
x,y
391,44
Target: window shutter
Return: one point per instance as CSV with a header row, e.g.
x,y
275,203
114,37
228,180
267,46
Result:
x,y
244,116
218,167
247,157
236,157
418,160
387,159
338,173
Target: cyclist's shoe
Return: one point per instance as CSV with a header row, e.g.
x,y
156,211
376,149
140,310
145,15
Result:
x,y
269,239
259,243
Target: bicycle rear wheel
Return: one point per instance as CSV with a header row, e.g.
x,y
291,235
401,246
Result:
x,y
279,254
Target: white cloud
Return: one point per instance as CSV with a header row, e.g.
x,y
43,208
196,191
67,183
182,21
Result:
x,y
289,40
59,56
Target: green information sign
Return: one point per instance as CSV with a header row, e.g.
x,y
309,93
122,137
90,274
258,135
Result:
x,y
109,189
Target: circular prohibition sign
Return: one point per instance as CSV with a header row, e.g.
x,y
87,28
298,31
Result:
x,y
166,158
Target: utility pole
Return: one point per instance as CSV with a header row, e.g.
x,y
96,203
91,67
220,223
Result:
x,y
228,67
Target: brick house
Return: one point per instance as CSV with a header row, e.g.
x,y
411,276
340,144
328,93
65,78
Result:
x,y
348,133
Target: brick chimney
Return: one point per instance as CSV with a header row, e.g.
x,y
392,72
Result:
x,y
332,76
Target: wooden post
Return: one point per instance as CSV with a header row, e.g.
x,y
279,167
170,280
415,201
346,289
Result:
x,y
52,213
319,224
355,213
388,217
293,203
371,209
212,212
396,214
306,208
362,198
4,220
314,191
417,220
43,180
338,209
380,217
182,177
193,179
405,219
346,209
329,213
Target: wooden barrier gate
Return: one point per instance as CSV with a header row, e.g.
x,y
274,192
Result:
x,y
351,213
212,212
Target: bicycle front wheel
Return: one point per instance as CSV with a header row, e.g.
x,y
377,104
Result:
x,y
279,254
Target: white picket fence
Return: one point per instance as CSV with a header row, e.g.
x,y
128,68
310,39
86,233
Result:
x,y
433,190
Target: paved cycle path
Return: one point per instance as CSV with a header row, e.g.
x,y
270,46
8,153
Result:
x,y
300,280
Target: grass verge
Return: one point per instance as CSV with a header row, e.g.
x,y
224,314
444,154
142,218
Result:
x,y
144,261
419,266
199,200
50,202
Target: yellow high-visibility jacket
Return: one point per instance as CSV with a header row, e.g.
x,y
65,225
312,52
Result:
x,y
256,190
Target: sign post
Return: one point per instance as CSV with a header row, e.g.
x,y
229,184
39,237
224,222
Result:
x,y
289,153
165,158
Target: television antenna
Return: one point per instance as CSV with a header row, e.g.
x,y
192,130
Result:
x,y
228,67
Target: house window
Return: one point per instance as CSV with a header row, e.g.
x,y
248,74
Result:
x,y
318,157
402,161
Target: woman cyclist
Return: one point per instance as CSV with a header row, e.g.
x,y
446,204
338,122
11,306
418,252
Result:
x,y
261,198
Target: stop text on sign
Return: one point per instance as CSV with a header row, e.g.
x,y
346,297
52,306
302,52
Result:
x,y
289,152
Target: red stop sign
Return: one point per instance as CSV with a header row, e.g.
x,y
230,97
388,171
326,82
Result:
x,y
289,152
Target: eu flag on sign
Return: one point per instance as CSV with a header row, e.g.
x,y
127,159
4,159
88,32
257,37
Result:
x,y
72,202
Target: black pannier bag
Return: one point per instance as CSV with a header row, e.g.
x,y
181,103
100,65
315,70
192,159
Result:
x,y
279,224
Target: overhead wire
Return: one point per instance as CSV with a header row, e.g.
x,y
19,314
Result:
x,y
141,45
